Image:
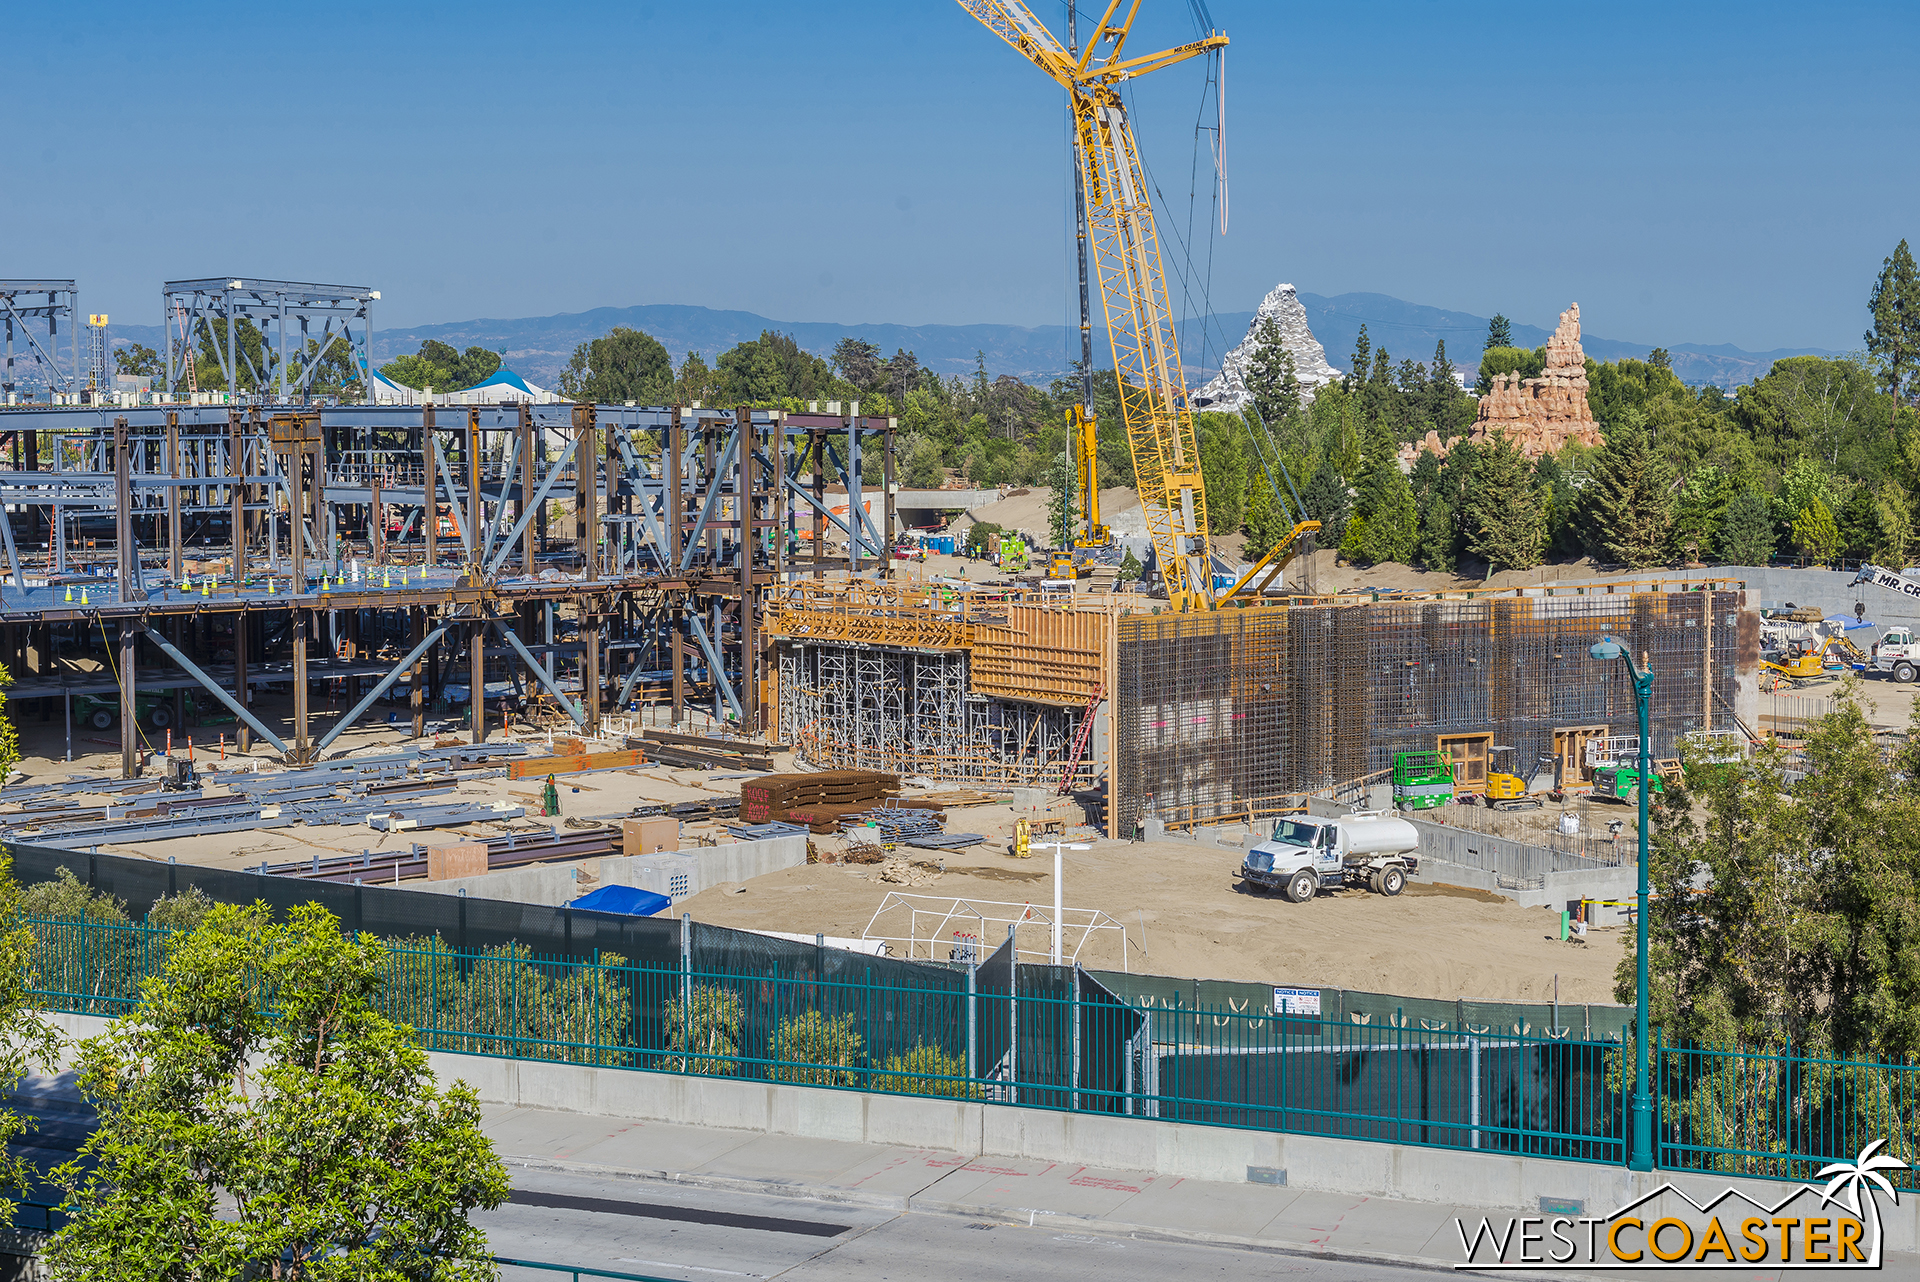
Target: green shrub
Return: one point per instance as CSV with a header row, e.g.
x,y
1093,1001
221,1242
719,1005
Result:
x,y
708,1025
817,1050
921,1072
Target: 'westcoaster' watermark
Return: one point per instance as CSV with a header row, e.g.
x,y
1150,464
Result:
x,y
1810,1227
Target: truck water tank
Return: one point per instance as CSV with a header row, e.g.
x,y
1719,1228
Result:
x,y
1379,835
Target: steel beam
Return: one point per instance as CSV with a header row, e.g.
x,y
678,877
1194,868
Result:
x,y
715,667
373,697
540,674
213,687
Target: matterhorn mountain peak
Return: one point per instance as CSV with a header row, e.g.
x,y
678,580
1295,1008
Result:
x,y
1228,390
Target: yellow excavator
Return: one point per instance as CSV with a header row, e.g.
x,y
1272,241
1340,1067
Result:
x,y
1117,218
1806,659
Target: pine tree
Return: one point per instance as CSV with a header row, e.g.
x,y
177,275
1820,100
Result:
x,y
1894,340
1392,519
1815,533
1700,510
1746,532
1362,357
1442,391
1628,500
1499,332
1434,547
1326,501
1271,377
1504,522
1263,524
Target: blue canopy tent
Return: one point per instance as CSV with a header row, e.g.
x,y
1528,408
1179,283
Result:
x,y
631,900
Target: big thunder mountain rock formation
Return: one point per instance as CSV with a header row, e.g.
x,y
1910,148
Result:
x,y
1228,390
1538,414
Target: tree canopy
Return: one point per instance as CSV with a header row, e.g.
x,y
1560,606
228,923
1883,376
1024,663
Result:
x,y
439,366
255,1109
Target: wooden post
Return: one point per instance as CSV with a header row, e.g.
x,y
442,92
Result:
x,y
237,489
477,644
300,623
129,719
586,489
416,685
817,445
476,509
679,663
430,517
243,735
744,509
377,517
527,474
886,521
676,513
176,536
590,684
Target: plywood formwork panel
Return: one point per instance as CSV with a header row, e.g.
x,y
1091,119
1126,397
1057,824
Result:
x,y
1042,656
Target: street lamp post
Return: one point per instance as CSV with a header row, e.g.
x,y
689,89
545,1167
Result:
x,y
1640,1156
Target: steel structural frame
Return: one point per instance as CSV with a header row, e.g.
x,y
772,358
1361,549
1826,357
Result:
x,y
682,519
199,303
16,312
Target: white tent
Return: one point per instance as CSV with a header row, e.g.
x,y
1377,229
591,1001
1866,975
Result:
x,y
504,386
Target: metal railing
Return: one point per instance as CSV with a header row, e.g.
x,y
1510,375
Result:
x,y
1055,1037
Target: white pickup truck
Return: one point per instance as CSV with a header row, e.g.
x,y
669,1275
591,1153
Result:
x,y
1367,848
1896,654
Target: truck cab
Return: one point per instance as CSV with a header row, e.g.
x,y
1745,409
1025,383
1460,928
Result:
x,y
1307,852
1896,655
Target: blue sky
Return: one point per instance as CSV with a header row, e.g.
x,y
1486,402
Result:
x,y
1686,172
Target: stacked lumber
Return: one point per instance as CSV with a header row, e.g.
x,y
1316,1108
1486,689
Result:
x,y
771,798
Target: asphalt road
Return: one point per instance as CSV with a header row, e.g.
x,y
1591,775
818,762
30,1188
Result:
x,y
666,1230
656,1228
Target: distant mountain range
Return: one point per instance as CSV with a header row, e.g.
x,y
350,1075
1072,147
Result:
x,y
538,347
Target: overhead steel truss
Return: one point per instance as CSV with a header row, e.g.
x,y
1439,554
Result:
x,y
213,310
48,302
653,531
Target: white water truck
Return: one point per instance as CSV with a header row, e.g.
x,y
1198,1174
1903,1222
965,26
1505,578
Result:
x,y
1368,848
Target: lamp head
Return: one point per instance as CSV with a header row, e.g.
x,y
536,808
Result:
x,y
1607,648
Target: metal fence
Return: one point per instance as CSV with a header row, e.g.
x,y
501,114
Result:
x,y
1058,1038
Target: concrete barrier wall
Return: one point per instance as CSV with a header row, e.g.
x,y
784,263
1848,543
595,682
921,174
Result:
x,y
971,1129
675,874
1361,1168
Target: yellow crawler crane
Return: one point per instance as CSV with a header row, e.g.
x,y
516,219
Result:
x,y
1132,282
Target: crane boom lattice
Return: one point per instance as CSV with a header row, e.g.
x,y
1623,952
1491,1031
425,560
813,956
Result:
x,y
1132,280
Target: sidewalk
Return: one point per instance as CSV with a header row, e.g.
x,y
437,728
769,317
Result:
x,y
1329,1225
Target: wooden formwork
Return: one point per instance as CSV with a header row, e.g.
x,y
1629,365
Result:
x,y
1043,655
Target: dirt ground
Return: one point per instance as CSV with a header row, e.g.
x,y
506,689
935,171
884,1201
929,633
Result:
x,y
1176,902
1183,913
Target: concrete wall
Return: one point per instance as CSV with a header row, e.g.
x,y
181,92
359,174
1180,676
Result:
x,y
678,875
1600,883
971,1129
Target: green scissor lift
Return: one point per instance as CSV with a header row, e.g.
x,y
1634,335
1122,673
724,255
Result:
x,y
1421,780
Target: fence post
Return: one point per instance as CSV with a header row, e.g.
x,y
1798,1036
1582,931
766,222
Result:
x,y
1473,1088
1074,1009
1654,1087
686,992
973,1023
1013,1015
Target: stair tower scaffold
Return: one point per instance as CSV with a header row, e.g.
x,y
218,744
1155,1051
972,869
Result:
x,y
99,376
1133,283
